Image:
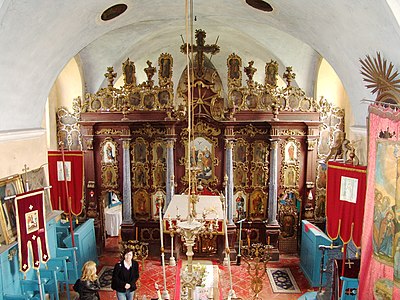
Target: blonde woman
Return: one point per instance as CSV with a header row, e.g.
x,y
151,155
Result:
x,y
88,285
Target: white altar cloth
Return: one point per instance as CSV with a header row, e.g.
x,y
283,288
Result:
x,y
179,206
113,220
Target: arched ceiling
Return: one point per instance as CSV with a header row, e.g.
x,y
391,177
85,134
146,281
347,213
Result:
x,y
39,37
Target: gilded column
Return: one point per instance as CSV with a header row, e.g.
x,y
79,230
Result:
x,y
126,182
170,171
273,184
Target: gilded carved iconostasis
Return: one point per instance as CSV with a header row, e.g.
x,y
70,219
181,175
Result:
x,y
136,125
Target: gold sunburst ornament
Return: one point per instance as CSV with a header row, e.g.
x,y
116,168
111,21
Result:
x,y
379,75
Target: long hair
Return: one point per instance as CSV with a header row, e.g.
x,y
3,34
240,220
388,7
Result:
x,y
89,271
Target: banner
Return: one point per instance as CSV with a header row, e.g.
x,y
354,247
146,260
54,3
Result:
x,y
74,176
31,228
345,200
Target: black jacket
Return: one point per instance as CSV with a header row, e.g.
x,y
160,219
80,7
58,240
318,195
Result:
x,y
88,290
122,275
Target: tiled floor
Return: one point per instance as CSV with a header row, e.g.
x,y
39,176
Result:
x,y
241,281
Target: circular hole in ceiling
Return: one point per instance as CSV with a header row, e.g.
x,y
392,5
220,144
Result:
x,y
113,12
260,4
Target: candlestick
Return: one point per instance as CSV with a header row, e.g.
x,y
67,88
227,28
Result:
x,y
165,292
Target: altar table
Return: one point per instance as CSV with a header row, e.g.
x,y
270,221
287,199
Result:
x,y
113,220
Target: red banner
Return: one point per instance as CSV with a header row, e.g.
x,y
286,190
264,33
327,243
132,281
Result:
x,y
345,199
74,173
31,228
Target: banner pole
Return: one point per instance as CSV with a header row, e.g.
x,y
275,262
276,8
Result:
x,y
40,285
68,197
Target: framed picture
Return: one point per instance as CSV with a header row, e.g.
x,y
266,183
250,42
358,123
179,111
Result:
x,y
155,204
109,152
140,151
202,157
36,179
259,152
258,200
240,205
290,152
141,200
9,187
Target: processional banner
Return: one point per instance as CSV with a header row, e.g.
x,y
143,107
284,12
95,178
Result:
x,y
73,163
345,199
31,228
380,256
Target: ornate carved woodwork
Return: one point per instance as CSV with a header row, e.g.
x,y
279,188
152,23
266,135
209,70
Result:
x,y
249,115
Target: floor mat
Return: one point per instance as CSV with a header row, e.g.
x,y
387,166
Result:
x,y
105,277
282,281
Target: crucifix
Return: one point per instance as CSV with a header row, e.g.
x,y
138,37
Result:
x,y
25,170
200,48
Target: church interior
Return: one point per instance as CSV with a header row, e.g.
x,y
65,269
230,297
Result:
x,y
242,149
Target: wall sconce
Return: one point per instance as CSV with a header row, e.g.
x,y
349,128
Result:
x,y
91,193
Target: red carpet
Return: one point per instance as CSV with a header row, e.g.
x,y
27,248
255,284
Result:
x,y
152,273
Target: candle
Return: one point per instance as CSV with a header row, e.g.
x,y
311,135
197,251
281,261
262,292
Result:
x,y
161,230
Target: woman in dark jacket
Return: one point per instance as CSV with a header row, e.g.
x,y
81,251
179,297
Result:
x,y
88,285
125,275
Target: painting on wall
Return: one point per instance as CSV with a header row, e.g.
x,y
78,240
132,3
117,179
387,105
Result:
x,y
240,205
290,176
202,157
9,187
109,151
140,151
141,200
109,176
258,200
240,175
36,179
291,152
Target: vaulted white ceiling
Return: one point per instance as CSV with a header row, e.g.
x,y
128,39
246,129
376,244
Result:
x,y
38,38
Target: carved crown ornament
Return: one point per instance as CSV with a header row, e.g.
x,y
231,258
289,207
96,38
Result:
x,y
156,93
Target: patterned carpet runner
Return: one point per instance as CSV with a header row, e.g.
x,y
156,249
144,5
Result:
x,y
282,281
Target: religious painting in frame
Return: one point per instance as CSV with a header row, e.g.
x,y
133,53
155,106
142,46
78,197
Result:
x,y
240,175
141,200
234,64
202,157
159,149
109,176
165,63
260,152
290,176
109,151
159,175
291,151
240,205
140,151
36,179
257,204
9,187
140,176
259,176
155,204
240,151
